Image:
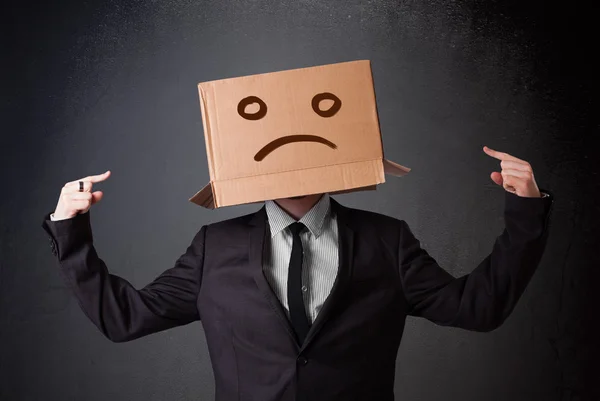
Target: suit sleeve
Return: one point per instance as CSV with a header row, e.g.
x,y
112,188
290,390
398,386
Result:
x,y
120,311
484,298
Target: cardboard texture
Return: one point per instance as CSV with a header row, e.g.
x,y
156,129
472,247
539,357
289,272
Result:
x,y
292,133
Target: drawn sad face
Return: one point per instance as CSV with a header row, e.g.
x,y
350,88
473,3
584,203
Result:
x,y
266,124
316,103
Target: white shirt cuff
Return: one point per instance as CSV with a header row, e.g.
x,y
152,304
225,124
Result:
x,y
52,218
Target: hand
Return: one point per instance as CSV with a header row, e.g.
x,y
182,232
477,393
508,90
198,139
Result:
x,y
516,175
72,202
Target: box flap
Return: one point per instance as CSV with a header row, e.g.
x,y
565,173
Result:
x,y
359,176
204,197
395,169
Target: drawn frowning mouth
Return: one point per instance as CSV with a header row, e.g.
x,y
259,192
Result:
x,y
284,140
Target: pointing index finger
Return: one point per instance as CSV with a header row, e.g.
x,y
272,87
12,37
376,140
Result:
x,y
97,178
501,155
91,178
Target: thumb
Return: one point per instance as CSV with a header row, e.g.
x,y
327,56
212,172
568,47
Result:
x,y
497,178
97,197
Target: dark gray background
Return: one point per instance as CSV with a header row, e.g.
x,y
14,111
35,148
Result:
x,y
91,86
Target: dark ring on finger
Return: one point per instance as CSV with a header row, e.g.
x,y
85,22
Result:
x,y
80,186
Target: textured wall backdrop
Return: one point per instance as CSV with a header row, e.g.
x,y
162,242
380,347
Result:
x,y
97,85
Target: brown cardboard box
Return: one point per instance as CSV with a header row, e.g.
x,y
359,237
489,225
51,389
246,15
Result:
x,y
291,133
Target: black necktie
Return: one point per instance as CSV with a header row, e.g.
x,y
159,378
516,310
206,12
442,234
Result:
x,y
294,290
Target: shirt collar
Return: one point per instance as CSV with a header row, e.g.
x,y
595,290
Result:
x,y
313,219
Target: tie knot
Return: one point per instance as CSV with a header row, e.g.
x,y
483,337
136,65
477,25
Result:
x,y
296,227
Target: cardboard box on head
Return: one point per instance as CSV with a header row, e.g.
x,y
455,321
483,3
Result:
x,y
292,133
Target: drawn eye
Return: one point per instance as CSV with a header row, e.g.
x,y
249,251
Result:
x,y
262,108
335,107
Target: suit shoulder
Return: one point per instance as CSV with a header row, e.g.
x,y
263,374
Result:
x,y
232,223
373,226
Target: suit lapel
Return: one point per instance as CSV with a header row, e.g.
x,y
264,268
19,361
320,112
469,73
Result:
x,y
256,237
345,258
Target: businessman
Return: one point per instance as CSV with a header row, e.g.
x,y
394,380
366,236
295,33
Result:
x,y
305,299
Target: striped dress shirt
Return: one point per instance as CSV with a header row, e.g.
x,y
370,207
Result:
x,y
320,259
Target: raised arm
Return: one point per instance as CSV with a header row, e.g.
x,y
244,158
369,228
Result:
x,y
120,311
484,298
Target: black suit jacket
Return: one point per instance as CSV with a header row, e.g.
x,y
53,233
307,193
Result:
x,y
350,352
